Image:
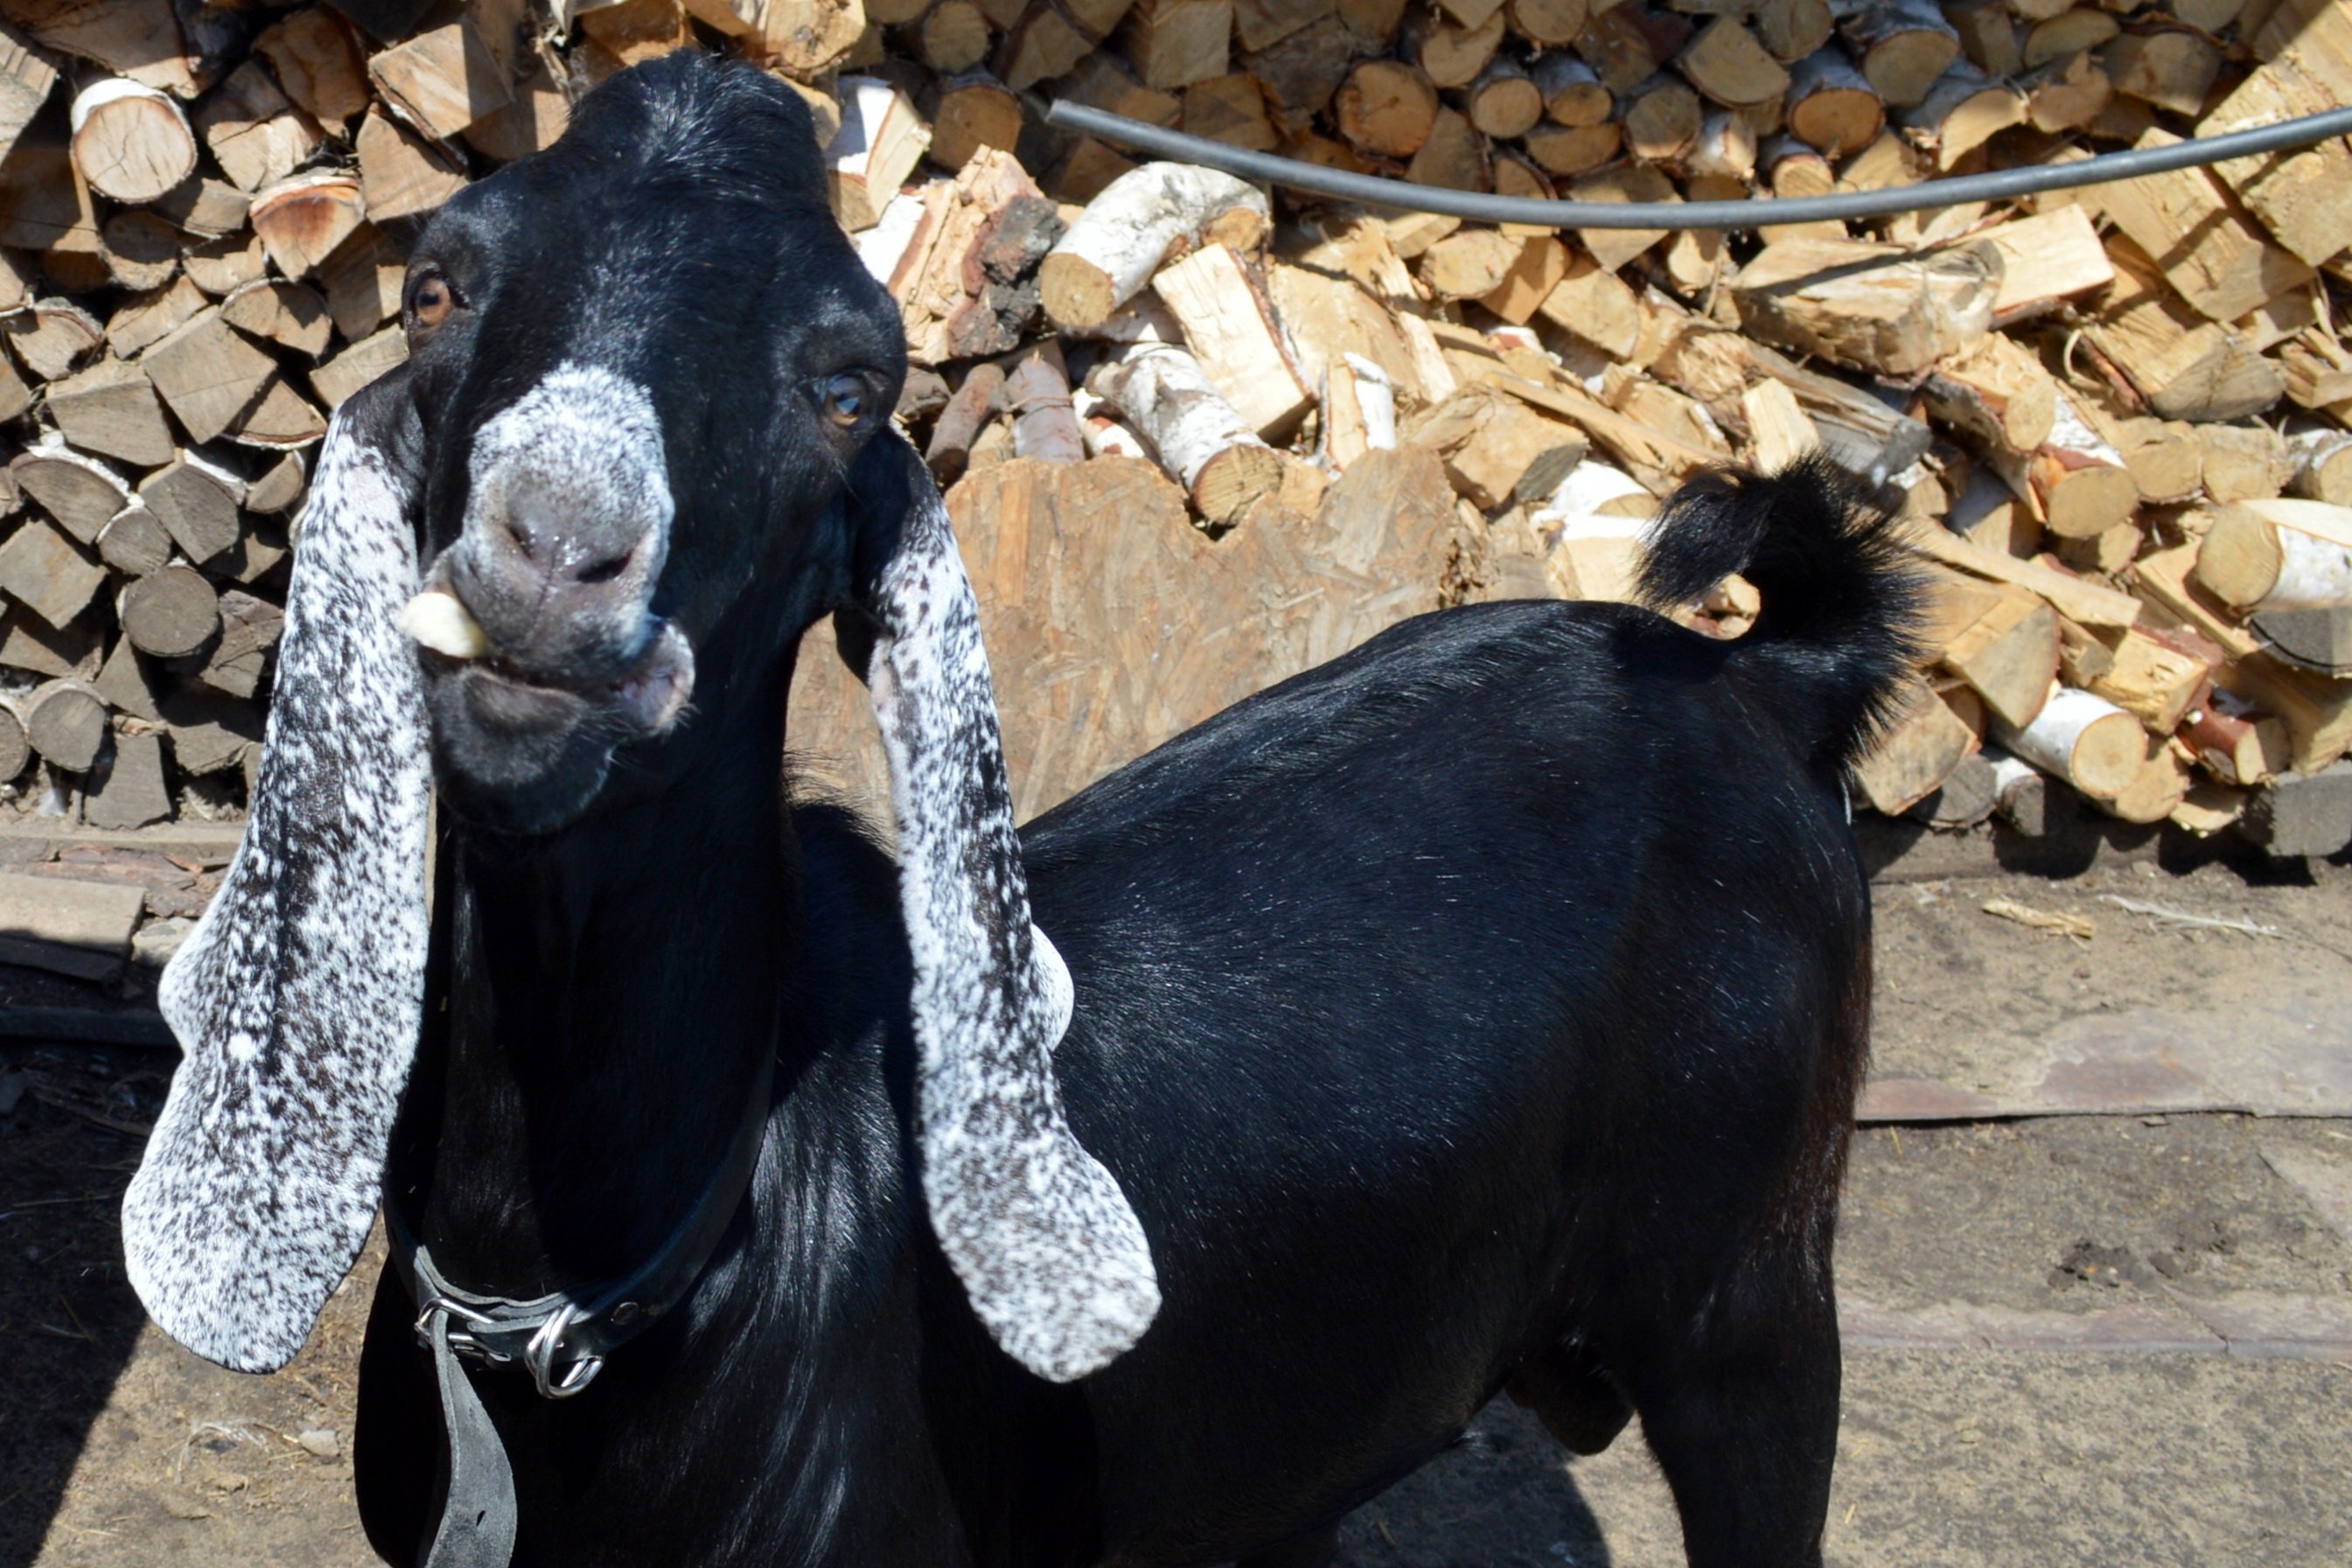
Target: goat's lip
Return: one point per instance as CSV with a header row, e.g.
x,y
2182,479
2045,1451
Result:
x,y
646,696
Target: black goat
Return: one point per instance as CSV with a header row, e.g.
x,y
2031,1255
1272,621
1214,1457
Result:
x,y
1482,1011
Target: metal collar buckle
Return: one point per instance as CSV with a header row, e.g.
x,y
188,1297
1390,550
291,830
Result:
x,y
462,1341
539,1355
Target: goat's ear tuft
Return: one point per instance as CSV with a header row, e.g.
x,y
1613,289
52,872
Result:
x,y
298,997
1048,1250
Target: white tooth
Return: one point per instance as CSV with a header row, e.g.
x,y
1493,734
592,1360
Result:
x,y
435,618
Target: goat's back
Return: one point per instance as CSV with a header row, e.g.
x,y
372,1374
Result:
x,y
1493,984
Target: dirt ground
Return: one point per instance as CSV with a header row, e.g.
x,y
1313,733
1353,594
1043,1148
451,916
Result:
x,y
2180,1442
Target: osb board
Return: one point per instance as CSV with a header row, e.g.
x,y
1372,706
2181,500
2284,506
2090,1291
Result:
x,y
1113,624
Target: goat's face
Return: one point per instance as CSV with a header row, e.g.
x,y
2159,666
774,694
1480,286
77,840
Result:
x,y
641,365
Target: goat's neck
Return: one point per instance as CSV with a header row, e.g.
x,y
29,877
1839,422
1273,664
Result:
x,y
610,994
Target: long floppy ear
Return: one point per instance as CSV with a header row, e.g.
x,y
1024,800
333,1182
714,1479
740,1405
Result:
x,y
298,997
1049,1251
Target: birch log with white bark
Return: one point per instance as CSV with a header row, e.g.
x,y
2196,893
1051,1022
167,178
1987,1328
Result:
x,y
1127,232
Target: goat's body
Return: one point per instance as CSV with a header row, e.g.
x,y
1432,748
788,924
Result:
x,y
1484,1007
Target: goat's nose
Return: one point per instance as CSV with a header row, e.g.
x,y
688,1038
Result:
x,y
556,579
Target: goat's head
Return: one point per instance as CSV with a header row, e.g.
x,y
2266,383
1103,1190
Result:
x,y
640,367
643,428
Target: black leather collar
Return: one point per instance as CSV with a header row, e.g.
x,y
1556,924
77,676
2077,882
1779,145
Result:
x,y
561,1339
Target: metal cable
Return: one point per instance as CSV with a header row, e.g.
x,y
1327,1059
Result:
x,y
2001,185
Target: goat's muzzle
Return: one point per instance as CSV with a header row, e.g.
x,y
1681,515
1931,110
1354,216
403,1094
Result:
x,y
541,607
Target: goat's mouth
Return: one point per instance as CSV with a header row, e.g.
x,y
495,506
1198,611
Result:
x,y
643,698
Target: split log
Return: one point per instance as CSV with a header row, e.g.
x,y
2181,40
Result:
x,y
1175,43
223,266
1901,45
958,423
2077,482
1965,109
318,65
302,221
954,37
126,789
16,751
2244,462
2170,70
1791,30
1614,247
1859,432
441,82
1573,94
1997,393
2008,653
2235,742
1831,107
1726,151
2075,32
1450,55
1570,152
287,314
65,723
1914,751
1359,412
79,492
1200,439
47,573
2277,555
1230,330
52,336
1988,36
134,541
359,365
2323,465
130,141
974,110
2065,95
2157,791
1629,44
111,409
2182,366
2083,740
1725,62
169,614
1489,442
197,503
1552,24
1504,102
880,142
1874,307
1230,109
1111,252
1592,304
400,177
1661,119
1386,109
256,134
27,78
2157,678
142,250
2301,197
238,658
966,278
2047,261
2073,597
2208,251
1778,431
207,375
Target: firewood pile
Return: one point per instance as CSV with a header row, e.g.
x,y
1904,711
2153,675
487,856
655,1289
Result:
x,y
2113,418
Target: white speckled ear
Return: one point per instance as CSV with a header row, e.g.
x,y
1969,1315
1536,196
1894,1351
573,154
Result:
x,y
298,997
1051,1256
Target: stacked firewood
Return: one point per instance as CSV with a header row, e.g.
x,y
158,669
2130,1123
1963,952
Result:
x,y
2107,414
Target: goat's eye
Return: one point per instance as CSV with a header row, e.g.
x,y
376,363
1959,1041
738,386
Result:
x,y
843,398
430,302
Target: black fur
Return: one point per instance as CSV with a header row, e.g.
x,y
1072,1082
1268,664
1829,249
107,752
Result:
x,y
1840,624
1483,1009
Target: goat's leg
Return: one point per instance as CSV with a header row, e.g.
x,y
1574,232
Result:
x,y
1313,1550
1743,1420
